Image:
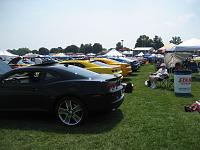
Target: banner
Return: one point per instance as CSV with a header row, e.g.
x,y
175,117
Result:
x,y
182,82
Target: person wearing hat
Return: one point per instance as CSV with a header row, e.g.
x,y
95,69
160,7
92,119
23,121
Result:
x,y
160,74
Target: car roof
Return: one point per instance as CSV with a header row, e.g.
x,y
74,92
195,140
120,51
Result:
x,y
86,63
45,66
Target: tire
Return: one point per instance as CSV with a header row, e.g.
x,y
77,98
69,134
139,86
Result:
x,y
70,111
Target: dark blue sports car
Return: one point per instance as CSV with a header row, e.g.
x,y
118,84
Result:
x,y
68,91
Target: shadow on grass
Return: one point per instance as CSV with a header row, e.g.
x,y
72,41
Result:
x,y
184,95
134,74
96,123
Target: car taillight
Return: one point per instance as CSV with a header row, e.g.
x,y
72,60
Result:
x,y
15,66
112,86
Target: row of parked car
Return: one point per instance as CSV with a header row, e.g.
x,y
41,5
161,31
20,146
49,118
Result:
x,y
70,92
113,65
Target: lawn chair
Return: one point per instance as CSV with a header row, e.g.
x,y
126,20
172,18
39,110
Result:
x,y
162,82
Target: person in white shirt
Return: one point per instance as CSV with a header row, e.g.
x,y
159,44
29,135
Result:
x,y
38,60
160,74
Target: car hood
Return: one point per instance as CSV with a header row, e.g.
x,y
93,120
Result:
x,y
4,67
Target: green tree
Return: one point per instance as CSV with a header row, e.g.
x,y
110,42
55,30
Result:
x,y
119,46
176,40
82,48
20,51
97,47
56,50
86,48
34,51
157,42
144,41
71,48
43,51
60,49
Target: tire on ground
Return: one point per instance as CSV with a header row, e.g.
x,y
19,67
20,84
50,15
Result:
x,y
70,111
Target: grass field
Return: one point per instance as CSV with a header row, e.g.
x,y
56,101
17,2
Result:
x,y
148,119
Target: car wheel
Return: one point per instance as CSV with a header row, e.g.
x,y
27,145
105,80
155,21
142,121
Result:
x,y
70,111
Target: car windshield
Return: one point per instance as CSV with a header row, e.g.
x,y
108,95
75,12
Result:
x,y
4,67
78,71
100,63
115,61
123,59
21,62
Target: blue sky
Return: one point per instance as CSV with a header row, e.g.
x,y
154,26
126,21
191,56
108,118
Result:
x,y
54,23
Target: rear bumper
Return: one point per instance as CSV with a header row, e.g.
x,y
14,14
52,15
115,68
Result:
x,y
103,102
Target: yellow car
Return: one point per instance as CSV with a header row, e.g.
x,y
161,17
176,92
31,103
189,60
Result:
x,y
126,68
197,60
94,66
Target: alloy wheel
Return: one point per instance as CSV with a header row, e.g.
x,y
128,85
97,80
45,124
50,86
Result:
x,y
70,112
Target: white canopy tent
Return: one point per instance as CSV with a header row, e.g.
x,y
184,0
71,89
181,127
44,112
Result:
x,y
172,58
140,54
166,47
113,53
31,55
5,55
187,46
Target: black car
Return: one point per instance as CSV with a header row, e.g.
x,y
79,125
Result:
x,y
68,91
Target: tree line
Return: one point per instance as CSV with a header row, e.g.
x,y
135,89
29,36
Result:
x,y
142,41
156,42
84,48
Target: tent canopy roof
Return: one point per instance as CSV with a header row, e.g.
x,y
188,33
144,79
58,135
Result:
x,y
6,53
143,49
189,45
113,53
167,46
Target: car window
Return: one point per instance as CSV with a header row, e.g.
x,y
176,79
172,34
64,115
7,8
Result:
x,y
100,63
22,78
78,72
114,61
78,65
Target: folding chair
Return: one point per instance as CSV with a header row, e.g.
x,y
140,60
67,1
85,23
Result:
x,y
167,82
162,82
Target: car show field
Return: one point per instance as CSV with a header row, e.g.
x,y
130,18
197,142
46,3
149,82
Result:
x,y
148,119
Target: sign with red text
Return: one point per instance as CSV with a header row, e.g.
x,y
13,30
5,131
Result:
x,y
182,83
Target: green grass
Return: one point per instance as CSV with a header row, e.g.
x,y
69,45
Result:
x,y
148,119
